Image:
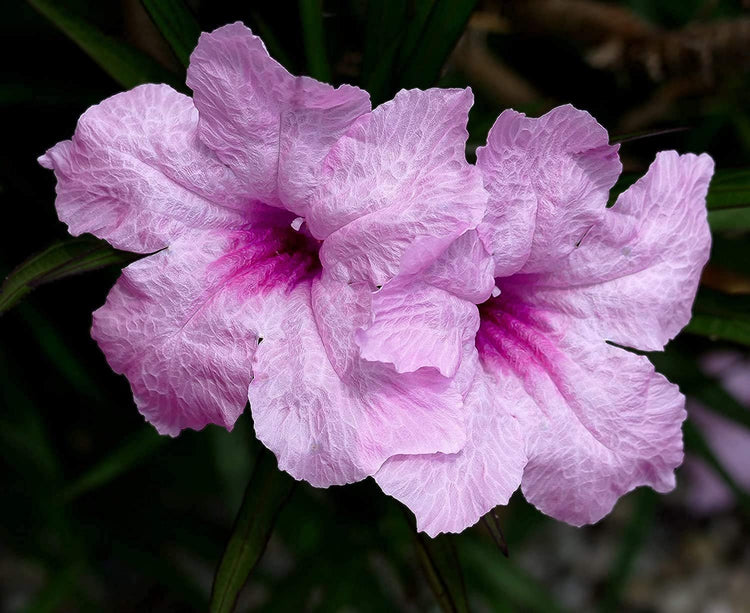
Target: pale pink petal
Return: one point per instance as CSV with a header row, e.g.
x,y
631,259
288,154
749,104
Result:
x,y
330,417
136,174
548,181
633,277
270,127
450,492
415,324
465,269
182,325
605,421
396,190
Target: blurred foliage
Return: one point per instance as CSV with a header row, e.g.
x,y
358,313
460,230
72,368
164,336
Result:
x,y
100,513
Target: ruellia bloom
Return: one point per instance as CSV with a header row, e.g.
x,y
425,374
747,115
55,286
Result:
x,y
705,492
557,405
274,207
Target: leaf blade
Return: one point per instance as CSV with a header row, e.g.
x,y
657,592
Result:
x,y
124,63
267,491
177,25
58,261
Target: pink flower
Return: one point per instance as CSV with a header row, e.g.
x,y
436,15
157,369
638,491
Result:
x,y
705,491
276,206
574,420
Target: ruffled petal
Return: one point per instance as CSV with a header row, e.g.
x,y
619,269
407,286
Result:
x,y
136,174
548,181
633,278
396,189
416,325
183,325
605,422
330,417
450,492
270,127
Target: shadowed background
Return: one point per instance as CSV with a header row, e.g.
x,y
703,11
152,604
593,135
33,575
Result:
x,y
100,513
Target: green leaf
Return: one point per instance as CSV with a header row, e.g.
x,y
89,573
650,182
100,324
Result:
x,y
632,540
177,24
134,451
311,14
696,443
60,260
728,200
440,563
266,493
407,43
124,63
721,316
680,367
502,580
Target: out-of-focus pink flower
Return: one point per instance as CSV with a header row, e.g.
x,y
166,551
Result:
x,y
575,420
705,492
277,206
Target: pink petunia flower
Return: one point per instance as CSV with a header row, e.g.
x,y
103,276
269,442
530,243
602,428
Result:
x,y
705,492
277,206
554,408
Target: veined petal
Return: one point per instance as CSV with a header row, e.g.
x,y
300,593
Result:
x,y
450,492
548,181
605,422
396,189
330,417
183,325
633,278
270,127
415,324
136,175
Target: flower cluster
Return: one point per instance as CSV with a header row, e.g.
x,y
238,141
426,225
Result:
x,y
389,309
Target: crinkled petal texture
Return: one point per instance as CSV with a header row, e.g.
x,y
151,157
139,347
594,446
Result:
x,y
136,174
596,420
331,417
271,128
220,312
548,181
449,492
396,189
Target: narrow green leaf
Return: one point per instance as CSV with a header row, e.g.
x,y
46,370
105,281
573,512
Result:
x,y
177,24
440,563
696,443
444,25
407,43
124,63
60,260
721,316
628,137
681,368
311,14
503,580
266,493
134,451
632,540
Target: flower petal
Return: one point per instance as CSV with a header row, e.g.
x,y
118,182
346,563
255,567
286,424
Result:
x,y
330,417
136,174
548,181
605,421
450,492
270,127
415,324
183,325
634,276
396,188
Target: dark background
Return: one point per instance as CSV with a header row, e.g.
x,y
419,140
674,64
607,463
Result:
x,y
100,513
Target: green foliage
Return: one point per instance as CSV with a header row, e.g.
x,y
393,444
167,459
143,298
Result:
x,y
177,24
63,259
